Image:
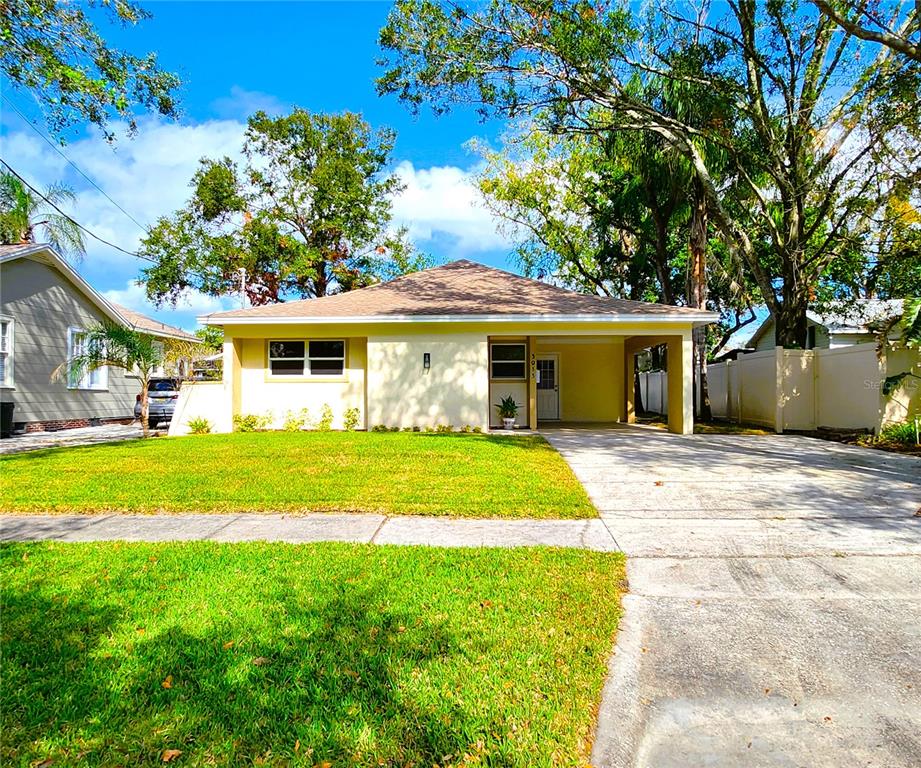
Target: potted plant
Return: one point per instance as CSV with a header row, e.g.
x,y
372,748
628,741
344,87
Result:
x,y
508,410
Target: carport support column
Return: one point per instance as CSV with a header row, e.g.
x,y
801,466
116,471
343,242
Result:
x,y
629,386
233,370
532,382
680,384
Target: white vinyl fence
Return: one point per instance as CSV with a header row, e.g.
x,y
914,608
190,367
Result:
x,y
805,389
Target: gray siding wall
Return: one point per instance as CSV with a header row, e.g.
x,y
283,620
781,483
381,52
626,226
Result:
x,y
44,304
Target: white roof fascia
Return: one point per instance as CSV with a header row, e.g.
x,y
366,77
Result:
x,y
698,318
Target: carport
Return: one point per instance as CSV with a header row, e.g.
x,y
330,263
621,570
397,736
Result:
x,y
588,378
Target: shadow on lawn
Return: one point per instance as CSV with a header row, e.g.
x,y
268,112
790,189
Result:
x,y
325,686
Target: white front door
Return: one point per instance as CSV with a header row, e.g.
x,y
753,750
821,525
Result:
x,y
548,387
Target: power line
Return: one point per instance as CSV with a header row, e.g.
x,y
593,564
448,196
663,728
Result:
x,y
185,273
77,168
72,220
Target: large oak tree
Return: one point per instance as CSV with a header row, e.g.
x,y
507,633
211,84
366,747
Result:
x,y
821,116
306,213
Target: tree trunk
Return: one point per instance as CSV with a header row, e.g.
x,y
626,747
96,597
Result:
x,y
660,257
790,319
145,407
697,297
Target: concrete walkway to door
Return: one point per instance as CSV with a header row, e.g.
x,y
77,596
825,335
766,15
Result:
x,y
774,614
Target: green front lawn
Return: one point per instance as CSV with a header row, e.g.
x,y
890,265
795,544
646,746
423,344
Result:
x,y
316,655
424,474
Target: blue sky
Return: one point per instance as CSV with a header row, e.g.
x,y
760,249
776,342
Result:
x,y
234,58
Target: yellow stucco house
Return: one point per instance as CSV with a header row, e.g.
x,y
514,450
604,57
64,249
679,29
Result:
x,y
443,346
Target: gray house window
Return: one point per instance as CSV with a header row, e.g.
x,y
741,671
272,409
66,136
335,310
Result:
x,y
6,352
76,345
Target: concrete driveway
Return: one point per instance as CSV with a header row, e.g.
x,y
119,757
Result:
x,y
774,615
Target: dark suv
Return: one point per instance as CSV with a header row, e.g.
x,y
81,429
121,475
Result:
x,y
162,394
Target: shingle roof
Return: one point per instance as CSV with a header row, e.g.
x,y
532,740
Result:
x,y
144,323
20,249
852,317
458,288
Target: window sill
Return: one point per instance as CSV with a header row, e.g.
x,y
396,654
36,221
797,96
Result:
x,y
7,386
88,389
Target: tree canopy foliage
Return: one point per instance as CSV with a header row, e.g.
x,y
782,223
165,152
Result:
x,y
800,138
54,50
306,213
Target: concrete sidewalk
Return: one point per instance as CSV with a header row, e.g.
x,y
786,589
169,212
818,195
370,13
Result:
x,y
359,528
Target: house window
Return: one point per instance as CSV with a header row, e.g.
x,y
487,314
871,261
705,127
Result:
x,y
509,361
77,346
286,358
6,353
320,357
327,358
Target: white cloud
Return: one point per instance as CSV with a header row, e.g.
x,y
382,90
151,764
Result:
x,y
444,200
242,103
149,175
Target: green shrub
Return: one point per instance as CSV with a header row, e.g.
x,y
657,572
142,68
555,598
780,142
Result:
x,y
417,429
408,429
325,422
394,429
199,426
442,428
251,422
900,433
380,428
477,430
295,421
350,419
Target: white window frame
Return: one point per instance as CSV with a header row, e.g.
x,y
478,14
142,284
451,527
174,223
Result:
x,y
9,351
523,361
302,359
310,359
307,368
94,381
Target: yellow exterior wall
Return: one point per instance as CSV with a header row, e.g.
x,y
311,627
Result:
x,y
261,393
591,378
453,391
386,381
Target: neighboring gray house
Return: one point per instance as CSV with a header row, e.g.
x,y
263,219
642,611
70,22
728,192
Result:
x,y
44,307
835,326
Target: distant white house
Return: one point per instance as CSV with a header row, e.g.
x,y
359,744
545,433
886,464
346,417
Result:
x,y
834,326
